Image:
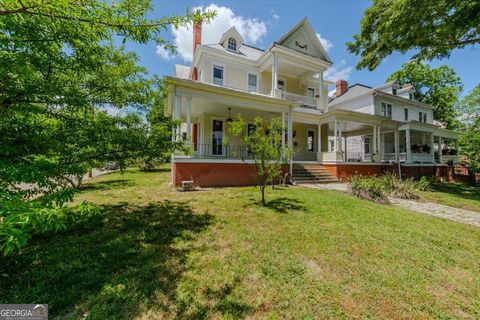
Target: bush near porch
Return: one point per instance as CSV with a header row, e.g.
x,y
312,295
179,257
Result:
x,y
155,253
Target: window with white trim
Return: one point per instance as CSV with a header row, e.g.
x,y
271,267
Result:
x,y
281,85
387,110
310,140
232,44
311,92
405,111
252,82
218,75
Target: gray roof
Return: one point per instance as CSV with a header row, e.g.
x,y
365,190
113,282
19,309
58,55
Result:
x,y
246,51
182,71
353,91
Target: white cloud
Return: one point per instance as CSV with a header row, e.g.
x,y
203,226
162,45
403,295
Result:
x,y
327,44
252,30
276,16
338,71
165,53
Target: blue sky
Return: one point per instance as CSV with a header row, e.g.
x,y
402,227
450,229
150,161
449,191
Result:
x,y
262,22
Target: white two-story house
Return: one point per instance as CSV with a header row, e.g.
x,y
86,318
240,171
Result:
x,y
359,130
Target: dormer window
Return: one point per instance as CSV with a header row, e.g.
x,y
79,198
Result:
x,y
394,91
232,44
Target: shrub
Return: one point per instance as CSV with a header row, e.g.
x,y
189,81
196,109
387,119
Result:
x,y
379,188
369,188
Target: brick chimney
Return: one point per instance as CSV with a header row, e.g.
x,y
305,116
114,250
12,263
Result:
x,y
197,35
342,87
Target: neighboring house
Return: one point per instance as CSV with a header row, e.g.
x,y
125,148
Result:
x,y
359,130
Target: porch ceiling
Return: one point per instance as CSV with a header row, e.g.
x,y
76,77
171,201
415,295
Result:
x,y
218,109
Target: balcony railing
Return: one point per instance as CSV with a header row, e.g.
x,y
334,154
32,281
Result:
x,y
304,101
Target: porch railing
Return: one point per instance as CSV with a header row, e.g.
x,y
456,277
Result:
x,y
306,101
216,151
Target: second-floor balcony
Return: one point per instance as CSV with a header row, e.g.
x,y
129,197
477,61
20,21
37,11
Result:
x,y
304,101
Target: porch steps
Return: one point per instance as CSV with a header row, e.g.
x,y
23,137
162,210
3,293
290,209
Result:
x,y
312,174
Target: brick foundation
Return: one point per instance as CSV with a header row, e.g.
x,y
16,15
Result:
x,y
441,172
243,174
216,174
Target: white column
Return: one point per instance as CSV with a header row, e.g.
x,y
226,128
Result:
x,y
283,129
432,151
340,144
374,147
320,87
189,118
345,150
396,144
409,146
290,136
179,117
440,155
379,142
335,136
274,74
319,138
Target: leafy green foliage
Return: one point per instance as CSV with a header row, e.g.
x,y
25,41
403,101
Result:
x,y
379,188
264,145
61,68
439,87
434,28
469,116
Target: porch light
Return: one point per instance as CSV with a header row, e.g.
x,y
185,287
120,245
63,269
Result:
x,y
229,119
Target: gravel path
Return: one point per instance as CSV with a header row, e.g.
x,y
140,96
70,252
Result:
x,y
430,208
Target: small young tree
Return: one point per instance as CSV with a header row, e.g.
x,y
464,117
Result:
x,y
264,148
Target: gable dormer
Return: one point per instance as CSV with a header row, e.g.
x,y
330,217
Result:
x,y
389,87
407,91
231,40
302,38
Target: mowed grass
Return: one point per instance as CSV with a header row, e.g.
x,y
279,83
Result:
x,y
455,195
156,253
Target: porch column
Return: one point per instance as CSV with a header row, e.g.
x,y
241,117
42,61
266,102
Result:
x,y
176,115
274,74
396,145
283,129
319,138
440,154
189,118
290,136
340,146
432,151
345,150
335,136
379,140
409,146
320,87
374,147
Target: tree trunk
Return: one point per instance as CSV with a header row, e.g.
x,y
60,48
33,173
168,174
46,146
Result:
x,y
262,189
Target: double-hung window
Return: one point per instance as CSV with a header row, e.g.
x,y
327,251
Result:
x,y
311,92
252,82
218,75
406,113
387,110
311,140
232,44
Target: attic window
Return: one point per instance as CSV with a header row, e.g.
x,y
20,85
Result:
x,y
232,44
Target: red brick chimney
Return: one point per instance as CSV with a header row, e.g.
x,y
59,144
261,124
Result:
x,y
342,87
197,35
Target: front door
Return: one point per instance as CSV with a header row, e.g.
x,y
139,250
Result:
x,y
217,137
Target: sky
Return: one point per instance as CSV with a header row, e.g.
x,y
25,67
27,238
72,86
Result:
x,y
262,22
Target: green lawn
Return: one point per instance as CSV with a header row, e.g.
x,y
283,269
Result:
x,y
455,195
155,253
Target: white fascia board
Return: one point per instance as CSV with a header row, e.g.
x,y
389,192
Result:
x,y
401,99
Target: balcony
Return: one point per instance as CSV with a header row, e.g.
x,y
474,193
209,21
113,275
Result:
x,y
307,102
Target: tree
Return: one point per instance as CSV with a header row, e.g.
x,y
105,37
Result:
x,y
264,147
469,115
434,28
439,87
62,64
469,108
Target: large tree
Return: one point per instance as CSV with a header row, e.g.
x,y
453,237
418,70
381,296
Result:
x,y
469,116
62,64
439,87
432,28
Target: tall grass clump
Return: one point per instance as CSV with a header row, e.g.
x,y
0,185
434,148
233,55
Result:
x,y
379,188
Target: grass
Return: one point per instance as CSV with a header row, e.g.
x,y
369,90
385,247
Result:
x,y
155,253
455,195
